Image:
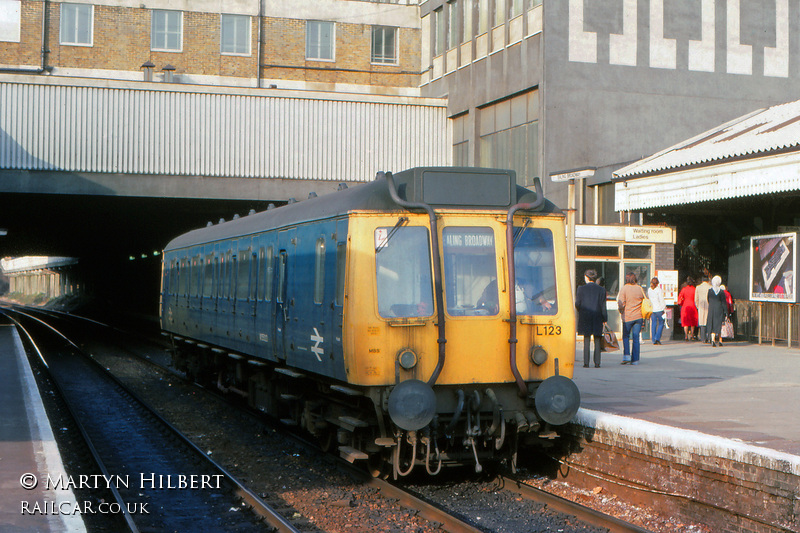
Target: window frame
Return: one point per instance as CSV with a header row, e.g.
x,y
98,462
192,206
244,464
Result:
x,y
78,17
383,59
316,48
166,13
236,44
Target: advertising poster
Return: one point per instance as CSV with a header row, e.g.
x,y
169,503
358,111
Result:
x,y
773,264
668,280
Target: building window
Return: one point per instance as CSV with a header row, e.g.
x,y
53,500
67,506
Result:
x,y
235,34
452,25
499,12
438,29
384,45
319,40
509,136
461,141
10,20
466,33
166,30
76,24
483,16
515,9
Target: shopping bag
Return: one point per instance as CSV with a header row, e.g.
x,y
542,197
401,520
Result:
x,y
727,328
610,342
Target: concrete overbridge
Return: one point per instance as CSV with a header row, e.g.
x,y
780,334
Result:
x,y
111,170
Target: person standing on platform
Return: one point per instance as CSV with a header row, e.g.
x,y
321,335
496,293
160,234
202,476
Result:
x,y
656,296
629,303
688,310
701,303
590,300
717,310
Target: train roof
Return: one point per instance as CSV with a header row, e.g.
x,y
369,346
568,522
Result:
x,y
441,187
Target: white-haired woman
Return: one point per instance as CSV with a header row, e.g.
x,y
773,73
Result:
x,y
717,310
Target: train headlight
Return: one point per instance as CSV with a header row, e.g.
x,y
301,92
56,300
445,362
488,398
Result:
x,y
557,400
538,355
407,359
412,404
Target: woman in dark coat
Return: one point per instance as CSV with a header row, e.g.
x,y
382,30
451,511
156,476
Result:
x,y
591,303
717,310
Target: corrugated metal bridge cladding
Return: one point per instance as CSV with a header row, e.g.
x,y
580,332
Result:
x,y
138,129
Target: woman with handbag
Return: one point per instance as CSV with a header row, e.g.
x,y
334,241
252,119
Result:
x,y
717,310
590,300
629,303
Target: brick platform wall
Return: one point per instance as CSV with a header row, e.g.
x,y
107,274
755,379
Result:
x,y
731,487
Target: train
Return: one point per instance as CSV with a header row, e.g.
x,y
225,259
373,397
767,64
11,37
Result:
x,y
423,319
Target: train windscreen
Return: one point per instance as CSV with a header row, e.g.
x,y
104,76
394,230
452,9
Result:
x,y
470,271
534,264
403,267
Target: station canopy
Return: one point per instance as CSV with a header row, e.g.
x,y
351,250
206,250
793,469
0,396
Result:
x,y
756,154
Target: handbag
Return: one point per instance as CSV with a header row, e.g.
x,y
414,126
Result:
x,y
610,342
727,329
647,306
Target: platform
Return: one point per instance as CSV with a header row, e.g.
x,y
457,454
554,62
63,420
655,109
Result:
x,y
28,451
704,434
740,391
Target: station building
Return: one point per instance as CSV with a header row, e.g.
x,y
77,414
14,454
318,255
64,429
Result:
x,y
737,184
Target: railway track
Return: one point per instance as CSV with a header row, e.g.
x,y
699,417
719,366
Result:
x,y
160,480
441,513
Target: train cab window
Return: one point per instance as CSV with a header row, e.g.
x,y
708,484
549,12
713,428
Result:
x,y
403,270
470,271
534,264
319,271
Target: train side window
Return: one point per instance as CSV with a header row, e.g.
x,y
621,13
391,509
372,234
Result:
x,y
182,278
319,271
172,287
403,270
227,289
260,277
253,276
215,289
194,288
281,276
208,277
534,263
243,275
221,276
341,263
270,274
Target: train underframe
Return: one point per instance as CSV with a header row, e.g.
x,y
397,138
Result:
x,y
478,424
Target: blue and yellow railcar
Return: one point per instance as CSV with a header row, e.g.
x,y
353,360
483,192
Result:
x,y
424,318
